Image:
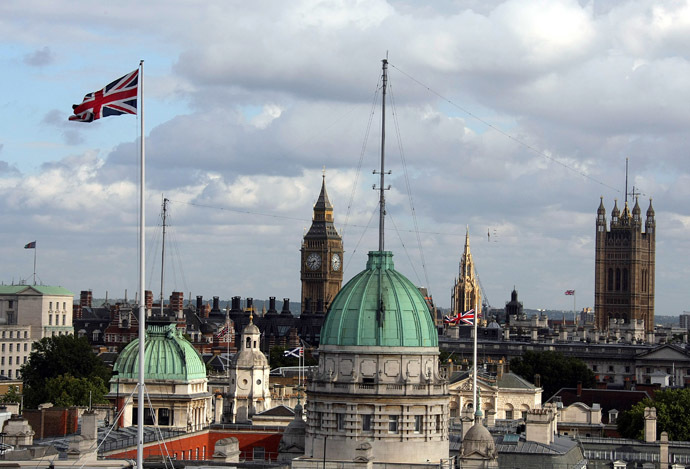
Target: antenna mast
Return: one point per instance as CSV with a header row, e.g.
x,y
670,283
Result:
x,y
165,209
626,180
382,199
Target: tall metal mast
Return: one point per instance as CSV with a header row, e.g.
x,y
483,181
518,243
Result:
x,y
165,208
382,199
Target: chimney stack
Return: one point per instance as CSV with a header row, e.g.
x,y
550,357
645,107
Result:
x,y
235,304
199,303
216,303
286,307
85,298
650,424
177,301
149,300
271,304
537,380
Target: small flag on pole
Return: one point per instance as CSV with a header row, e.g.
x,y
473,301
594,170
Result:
x,y
295,352
117,98
570,292
31,245
223,332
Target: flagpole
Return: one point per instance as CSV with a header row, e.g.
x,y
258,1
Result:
x,y
474,354
35,249
142,301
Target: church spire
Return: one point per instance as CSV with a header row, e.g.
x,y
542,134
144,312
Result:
x,y
323,203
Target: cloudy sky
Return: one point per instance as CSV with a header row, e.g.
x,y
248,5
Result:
x,y
511,117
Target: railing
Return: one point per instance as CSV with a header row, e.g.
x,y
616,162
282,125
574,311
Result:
x,y
379,388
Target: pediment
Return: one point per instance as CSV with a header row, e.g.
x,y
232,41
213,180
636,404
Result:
x,y
664,353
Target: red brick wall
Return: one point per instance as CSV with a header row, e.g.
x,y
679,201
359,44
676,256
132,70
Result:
x,y
203,444
52,421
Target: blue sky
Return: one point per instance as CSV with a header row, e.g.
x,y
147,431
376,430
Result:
x,y
246,103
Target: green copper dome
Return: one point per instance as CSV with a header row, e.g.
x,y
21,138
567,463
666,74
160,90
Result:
x,y
167,355
354,317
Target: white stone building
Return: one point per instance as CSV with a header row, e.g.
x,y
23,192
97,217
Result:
x,y
27,314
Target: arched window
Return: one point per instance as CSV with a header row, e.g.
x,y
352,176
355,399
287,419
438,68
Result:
x,y
610,279
618,279
249,343
625,279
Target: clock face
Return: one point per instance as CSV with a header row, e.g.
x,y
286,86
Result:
x,y
335,262
313,261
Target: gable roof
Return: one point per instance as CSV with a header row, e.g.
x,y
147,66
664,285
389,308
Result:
x,y
278,411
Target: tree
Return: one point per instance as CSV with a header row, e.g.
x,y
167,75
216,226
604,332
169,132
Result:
x,y
56,356
12,396
672,415
67,391
556,371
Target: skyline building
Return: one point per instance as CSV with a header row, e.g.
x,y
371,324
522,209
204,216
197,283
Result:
x,y
624,266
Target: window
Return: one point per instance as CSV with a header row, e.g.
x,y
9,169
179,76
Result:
x,y
393,423
164,416
2,360
340,420
9,373
50,306
366,422
627,369
50,319
26,334
10,304
10,334
64,319
524,415
595,368
9,360
438,423
418,424
64,306
3,347
11,347
610,367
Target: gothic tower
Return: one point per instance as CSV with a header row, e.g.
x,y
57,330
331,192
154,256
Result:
x,y
322,257
624,267
466,293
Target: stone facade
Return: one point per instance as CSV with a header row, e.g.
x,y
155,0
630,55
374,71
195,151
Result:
x,y
249,393
624,266
394,397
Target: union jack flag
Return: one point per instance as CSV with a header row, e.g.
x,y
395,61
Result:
x,y
467,317
224,331
118,97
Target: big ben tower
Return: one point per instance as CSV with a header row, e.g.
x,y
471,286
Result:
x,y
322,257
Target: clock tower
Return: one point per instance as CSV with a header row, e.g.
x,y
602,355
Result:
x,y
321,270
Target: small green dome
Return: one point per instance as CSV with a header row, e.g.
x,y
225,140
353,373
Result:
x,y
352,316
167,355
